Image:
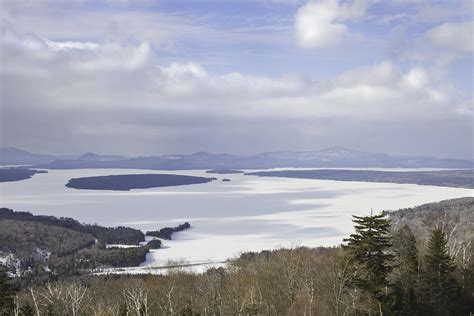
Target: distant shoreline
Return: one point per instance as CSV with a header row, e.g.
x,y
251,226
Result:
x,y
12,174
225,171
444,178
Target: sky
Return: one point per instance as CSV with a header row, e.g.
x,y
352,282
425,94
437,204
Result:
x,y
150,77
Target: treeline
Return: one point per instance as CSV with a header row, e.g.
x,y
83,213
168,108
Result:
x,y
167,232
107,235
17,174
37,249
455,216
36,252
380,269
443,178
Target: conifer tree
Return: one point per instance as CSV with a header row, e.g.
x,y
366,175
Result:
x,y
406,272
6,300
369,248
439,285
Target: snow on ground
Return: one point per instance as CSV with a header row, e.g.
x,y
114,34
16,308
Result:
x,y
322,221
197,267
12,262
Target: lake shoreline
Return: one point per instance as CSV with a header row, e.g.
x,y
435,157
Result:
x,y
249,213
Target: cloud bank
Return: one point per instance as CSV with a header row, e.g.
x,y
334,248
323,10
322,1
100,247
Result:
x,y
111,94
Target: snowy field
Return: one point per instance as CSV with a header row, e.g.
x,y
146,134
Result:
x,y
248,213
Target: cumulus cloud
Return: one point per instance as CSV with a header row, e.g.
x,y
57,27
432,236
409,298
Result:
x,y
320,23
90,92
458,37
127,79
416,78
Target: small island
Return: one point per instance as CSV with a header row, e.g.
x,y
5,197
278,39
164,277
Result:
x,y
225,180
17,174
224,171
167,232
133,181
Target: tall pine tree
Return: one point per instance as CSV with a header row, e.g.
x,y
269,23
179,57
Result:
x,y
369,248
406,272
439,288
6,300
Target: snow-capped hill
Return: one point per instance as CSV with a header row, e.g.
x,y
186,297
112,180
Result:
x,y
15,156
95,157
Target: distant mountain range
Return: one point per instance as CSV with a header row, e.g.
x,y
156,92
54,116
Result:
x,y
334,157
14,156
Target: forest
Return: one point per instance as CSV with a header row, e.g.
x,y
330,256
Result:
x,y
133,181
37,249
17,174
109,235
409,262
167,232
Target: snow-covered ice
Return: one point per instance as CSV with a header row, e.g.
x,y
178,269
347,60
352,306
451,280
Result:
x,y
247,214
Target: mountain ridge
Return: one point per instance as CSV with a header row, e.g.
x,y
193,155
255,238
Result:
x,y
331,157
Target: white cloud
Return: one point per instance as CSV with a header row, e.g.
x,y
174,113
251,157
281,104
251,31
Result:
x,y
182,70
114,75
383,73
315,26
114,56
70,85
453,36
319,24
56,45
415,79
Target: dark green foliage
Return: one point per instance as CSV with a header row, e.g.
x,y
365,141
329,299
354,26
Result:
x,y
97,256
6,300
66,252
167,232
187,311
439,287
17,174
154,244
64,245
115,235
468,288
127,182
29,237
107,235
27,310
369,249
406,272
113,257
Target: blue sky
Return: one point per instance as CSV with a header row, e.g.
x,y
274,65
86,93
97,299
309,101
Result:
x,y
237,76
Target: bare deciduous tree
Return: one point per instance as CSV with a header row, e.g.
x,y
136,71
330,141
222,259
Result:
x,y
136,298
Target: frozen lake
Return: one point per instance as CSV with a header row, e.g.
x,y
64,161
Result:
x,y
248,213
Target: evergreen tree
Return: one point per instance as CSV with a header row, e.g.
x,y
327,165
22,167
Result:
x,y
469,288
369,248
27,310
405,273
440,291
6,300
